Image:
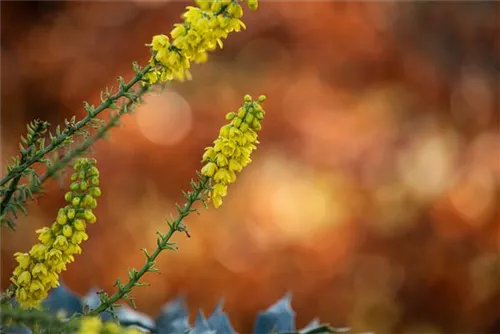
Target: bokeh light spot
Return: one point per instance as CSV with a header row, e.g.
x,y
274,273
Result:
x,y
165,119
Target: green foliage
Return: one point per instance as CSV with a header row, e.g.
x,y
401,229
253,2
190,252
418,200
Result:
x,y
278,318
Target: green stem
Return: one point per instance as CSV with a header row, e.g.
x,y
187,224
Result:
x,y
71,130
24,157
7,295
163,243
89,142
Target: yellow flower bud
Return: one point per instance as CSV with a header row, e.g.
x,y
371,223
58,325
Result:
x,y
79,225
221,160
24,278
217,200
36,285
89,216
46,236
209,154
95,191
93,171
39,269
209,169
75,201
68,196
234,165
230,116
247,98
62,219
179,30
236,122
219,190
78,237
67,231
87,200
61,242
224,131
23,259
71,213
242,112
248,119
94,180
222,175
244,127
159,41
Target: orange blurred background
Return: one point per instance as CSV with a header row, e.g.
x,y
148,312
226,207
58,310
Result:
x,y
373,196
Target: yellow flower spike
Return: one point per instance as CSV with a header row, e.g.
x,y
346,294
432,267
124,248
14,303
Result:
x,y
232,149
95,325
38,271
203,29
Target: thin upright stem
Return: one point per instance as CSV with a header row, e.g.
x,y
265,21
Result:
x,y
163,242
69,131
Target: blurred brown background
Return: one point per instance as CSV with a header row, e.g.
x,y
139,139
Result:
x,y
373,196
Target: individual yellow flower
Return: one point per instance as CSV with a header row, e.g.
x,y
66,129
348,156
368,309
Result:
x,y
231,150
38,270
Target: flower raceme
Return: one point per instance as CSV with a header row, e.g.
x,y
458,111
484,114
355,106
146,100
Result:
x,y
204,28
38,270
231,150
94,325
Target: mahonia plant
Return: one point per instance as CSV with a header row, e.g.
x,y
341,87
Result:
x,y
203,29
38,270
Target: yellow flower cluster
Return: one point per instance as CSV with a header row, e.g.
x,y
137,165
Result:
x,y
204,28
94,325
38,271
232,149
